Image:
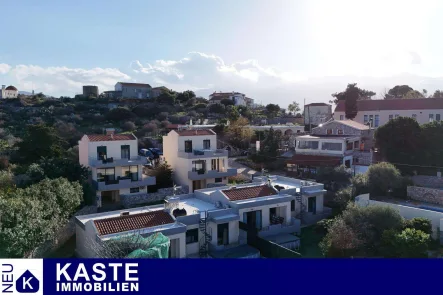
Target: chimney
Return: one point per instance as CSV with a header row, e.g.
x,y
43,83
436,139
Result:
x,y
110,131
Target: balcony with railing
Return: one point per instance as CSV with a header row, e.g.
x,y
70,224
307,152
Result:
x,y
293,226
113,162
199,174
109,183
203,153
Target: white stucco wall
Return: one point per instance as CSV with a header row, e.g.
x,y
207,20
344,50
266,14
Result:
x,y
422,116
406,212
316,115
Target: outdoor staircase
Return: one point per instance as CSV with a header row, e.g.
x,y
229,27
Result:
x,y
207,237
299,199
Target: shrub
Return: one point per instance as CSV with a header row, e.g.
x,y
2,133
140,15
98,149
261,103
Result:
x,y
383,177
237,179
419,223
409,243
129,126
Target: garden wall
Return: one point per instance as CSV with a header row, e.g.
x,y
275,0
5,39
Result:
x,y
143,198
408,212
425,194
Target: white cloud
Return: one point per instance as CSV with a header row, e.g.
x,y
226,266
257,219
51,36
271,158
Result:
x,y
205,73
63,80
4,68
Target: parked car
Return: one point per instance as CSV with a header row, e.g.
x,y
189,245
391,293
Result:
x,y
147,153
157,152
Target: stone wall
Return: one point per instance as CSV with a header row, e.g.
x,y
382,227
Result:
x,y
428,181
63,234
425,194
143,198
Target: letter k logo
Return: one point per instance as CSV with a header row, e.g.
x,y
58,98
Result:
x,y
27,283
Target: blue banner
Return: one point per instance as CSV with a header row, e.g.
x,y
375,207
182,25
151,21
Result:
x,y
224,276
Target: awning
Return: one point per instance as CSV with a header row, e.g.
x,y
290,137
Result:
x,y
314,160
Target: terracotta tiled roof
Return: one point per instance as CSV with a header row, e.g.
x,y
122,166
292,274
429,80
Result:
x,y
395,104
114,137
317,104
130,222
11,88
249,192
315,161
135,84
195,132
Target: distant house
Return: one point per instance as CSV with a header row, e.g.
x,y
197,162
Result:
x,y
156,91
317,113
237,97
333,144
8,92
134,90
90,90
378,112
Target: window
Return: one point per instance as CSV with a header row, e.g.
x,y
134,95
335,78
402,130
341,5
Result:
x,y
293,205
329,131
391,117
134,190
206,144
371,120
199,166
377,120
192,236
349,146
414,116
218,180
331,146
342,117
125,152
396,116
437,117
188,146
431,117
308,145
365,119
214,164
340,131
130,172
356,144
101,153
105,174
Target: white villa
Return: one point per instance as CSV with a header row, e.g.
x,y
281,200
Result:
x,y
195,159
378,112
333,143
214,222
115,166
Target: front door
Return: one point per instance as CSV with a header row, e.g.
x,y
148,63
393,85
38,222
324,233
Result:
x,y
312,204
196,184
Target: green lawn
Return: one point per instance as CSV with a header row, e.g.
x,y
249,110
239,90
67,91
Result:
x,y
309,243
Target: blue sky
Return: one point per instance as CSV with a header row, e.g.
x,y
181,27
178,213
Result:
x,y
274,51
